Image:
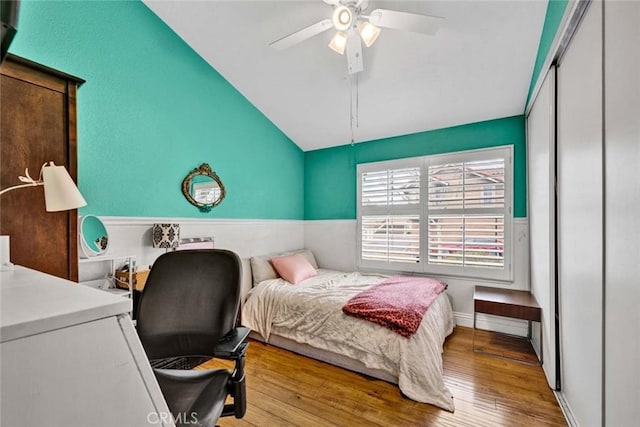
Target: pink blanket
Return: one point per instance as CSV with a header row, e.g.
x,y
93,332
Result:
x,y
398,303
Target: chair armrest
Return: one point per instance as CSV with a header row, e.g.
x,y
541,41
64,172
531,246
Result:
x,y
230,346
233,347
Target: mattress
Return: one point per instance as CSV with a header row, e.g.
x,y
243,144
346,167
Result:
x,y
311,313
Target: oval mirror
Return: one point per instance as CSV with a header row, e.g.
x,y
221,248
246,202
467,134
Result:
x,y
94,239
203,188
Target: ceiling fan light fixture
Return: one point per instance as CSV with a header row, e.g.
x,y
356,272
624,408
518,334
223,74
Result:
x,y
369,33
339,42
342,18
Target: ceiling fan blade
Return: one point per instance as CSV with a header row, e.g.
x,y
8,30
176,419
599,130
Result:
x,y
332,2
302,35
354,53
404,21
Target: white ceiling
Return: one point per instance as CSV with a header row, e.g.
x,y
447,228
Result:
x,y
477,67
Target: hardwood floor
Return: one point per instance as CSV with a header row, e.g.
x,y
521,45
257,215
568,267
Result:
x,y
286,389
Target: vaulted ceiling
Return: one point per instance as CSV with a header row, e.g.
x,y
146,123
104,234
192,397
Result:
x,y
477,67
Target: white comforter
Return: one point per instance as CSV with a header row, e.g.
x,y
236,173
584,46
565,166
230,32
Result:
x,y
311,313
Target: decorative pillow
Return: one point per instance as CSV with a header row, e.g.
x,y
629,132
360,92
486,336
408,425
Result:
x,y
293,268
308,255
261,268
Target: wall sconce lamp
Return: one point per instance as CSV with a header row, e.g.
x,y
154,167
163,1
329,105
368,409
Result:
x,y
60,192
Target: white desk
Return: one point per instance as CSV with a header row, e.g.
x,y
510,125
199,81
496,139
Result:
x,y
70,357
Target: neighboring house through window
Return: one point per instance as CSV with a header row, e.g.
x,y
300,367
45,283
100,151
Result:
x,y
447,214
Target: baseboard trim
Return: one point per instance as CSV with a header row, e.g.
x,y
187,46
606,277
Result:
x,y
566,409
492,323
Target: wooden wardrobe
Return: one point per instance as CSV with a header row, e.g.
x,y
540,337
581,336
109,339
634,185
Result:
x,y
37,125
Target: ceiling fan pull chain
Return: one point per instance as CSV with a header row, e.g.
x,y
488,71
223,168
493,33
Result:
x,y
353,105
357,101
351,108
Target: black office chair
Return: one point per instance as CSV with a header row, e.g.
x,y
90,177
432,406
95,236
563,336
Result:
x,y
189,308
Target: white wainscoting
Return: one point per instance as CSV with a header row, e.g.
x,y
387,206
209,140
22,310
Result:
x,y
332,241
334,244
246,237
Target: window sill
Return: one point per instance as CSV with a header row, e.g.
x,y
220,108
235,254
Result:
x,y
475,279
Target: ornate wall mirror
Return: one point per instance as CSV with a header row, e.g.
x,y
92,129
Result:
x,y
203,188
94,239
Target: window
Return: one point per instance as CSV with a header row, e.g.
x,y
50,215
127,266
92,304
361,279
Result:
x,y
446,214
390,215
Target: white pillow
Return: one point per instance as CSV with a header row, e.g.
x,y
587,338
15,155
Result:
x,y
261,268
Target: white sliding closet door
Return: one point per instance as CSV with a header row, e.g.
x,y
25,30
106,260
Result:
x,y
622,153
580,219
541,145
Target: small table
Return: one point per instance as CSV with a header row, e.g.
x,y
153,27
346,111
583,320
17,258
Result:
x,y
507,303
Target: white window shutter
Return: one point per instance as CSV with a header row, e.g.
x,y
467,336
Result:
x,y
466,240
391,238
459,220
391,187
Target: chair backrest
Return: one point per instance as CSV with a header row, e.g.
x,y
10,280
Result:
x,y
189,302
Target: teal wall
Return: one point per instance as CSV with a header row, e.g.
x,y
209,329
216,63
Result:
x,y
330,174
152,110
555,12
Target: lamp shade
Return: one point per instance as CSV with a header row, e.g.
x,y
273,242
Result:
x,y
342,18
339,42
368,32
60,192
166,235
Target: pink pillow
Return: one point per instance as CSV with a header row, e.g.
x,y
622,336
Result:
x,y
293,268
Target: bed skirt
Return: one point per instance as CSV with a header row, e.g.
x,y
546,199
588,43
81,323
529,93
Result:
x,y
325,356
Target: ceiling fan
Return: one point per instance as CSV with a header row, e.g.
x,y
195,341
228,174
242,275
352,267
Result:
x,y
353,27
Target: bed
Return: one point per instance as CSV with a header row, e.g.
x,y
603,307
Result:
x,y
307,318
